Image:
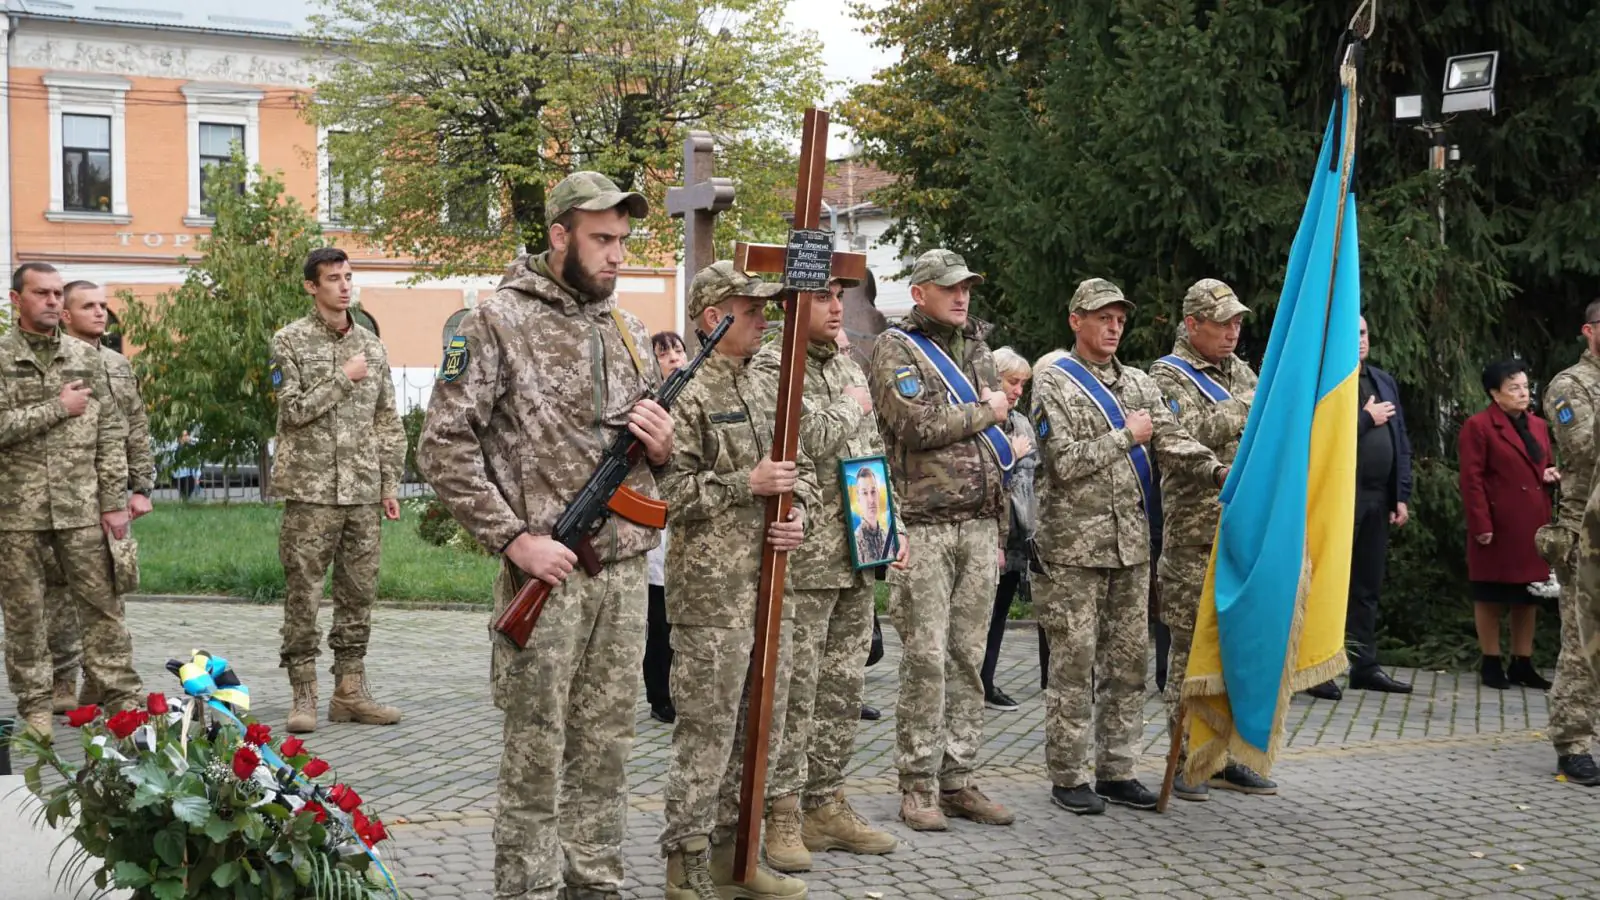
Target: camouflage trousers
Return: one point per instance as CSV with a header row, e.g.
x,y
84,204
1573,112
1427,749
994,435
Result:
x,y
85,561
312,536
832,636
568,699
1575,697
940,607
1097,622
1182,573
710,691
64,636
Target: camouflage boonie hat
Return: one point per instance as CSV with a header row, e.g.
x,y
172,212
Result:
x,y
1212,300
719,281
591,191
1095,293
945,268
124,564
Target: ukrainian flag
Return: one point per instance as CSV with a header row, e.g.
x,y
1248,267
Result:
x,y
1271,617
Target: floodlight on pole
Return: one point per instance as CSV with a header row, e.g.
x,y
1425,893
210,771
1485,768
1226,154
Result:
x,y
1469,82
1408,107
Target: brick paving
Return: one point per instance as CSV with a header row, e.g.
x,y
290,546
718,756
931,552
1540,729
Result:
x,y
1447,792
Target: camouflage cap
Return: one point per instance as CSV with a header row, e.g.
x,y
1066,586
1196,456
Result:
x,y
1095,293
942,267
1212,300
591,191
719,281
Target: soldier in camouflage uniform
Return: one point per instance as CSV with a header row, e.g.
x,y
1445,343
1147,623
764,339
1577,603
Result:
x,y
1214,415
84,316
832,604
63,488
538,381
339,454
951,493
1572,407
717,487
1094,544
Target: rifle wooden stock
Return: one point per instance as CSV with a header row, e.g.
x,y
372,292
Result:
x,y
522,613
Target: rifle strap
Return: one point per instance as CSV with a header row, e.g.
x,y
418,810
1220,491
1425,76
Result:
x,y
627,340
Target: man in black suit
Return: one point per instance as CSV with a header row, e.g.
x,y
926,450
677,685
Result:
x,y
1383,488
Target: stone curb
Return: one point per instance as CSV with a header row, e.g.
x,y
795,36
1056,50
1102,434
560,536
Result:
x,y
438,605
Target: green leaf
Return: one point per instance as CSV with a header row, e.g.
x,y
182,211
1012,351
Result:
x,y
145,797
130,874
218,828
170,846
226,874
32,778
191,810
168,889
253,826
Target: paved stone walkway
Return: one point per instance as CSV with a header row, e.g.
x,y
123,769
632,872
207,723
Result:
x,y
1448,792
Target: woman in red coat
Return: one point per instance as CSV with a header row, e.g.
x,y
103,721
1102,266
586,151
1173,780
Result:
x,y
1506,483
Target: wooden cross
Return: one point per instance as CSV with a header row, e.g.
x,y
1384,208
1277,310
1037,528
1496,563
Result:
x,y
697,203
807,262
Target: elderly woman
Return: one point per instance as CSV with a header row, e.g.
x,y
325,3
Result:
x,y
1014,374
1506,483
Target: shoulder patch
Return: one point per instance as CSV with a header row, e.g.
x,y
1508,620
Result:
x,y
1564,413
277,375
455,359
1174,405
1041,422
907,381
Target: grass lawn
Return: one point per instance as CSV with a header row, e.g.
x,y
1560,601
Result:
x,y
233,550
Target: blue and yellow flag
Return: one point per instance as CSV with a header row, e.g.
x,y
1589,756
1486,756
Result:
x,y
1271,617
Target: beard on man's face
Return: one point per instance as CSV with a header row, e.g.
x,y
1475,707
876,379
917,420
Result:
x,y
579,279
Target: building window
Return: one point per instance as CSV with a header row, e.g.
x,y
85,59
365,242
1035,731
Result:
x,y
86,163
88,141
348,189
218,144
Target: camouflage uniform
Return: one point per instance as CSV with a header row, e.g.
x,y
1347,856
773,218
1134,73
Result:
x,y
1189,508
1572,404
543,381
952,497
66,646
58,474
832,602
339,453
1094,544
723,425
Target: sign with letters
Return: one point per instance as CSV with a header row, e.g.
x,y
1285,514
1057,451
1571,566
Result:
x,y
808,259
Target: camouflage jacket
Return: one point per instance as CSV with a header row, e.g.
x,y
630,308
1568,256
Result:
x,y
339,441
1572,406
1189,508
832,429
942,471
537,385
125,388
57,471
1091,510
722,427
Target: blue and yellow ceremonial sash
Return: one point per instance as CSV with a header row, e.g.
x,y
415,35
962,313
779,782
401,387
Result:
x,y
960,391
1215,392
1138,455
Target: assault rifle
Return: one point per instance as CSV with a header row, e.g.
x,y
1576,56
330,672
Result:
x,y
603,495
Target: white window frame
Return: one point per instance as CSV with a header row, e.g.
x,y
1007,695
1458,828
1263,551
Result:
x,y
89,95
220,104
325,182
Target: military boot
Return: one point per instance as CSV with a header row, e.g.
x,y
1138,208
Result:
x,y
40,725
920,811
303,714
89,694
834,825
352,702
65,696
764,883
786,851
689,872
970,803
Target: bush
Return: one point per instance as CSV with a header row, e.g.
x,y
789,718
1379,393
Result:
x,y
439,528
412,423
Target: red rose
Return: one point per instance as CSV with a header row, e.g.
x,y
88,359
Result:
x,y
157,704
376,832
315,809
82,716
292,747
314,768
257,734
347,799
126,722
245,762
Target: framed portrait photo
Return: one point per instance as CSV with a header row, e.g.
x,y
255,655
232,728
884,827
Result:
x,y
864,483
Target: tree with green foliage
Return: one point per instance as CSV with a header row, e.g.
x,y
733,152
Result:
x,y
204,363
1156,142
456,117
